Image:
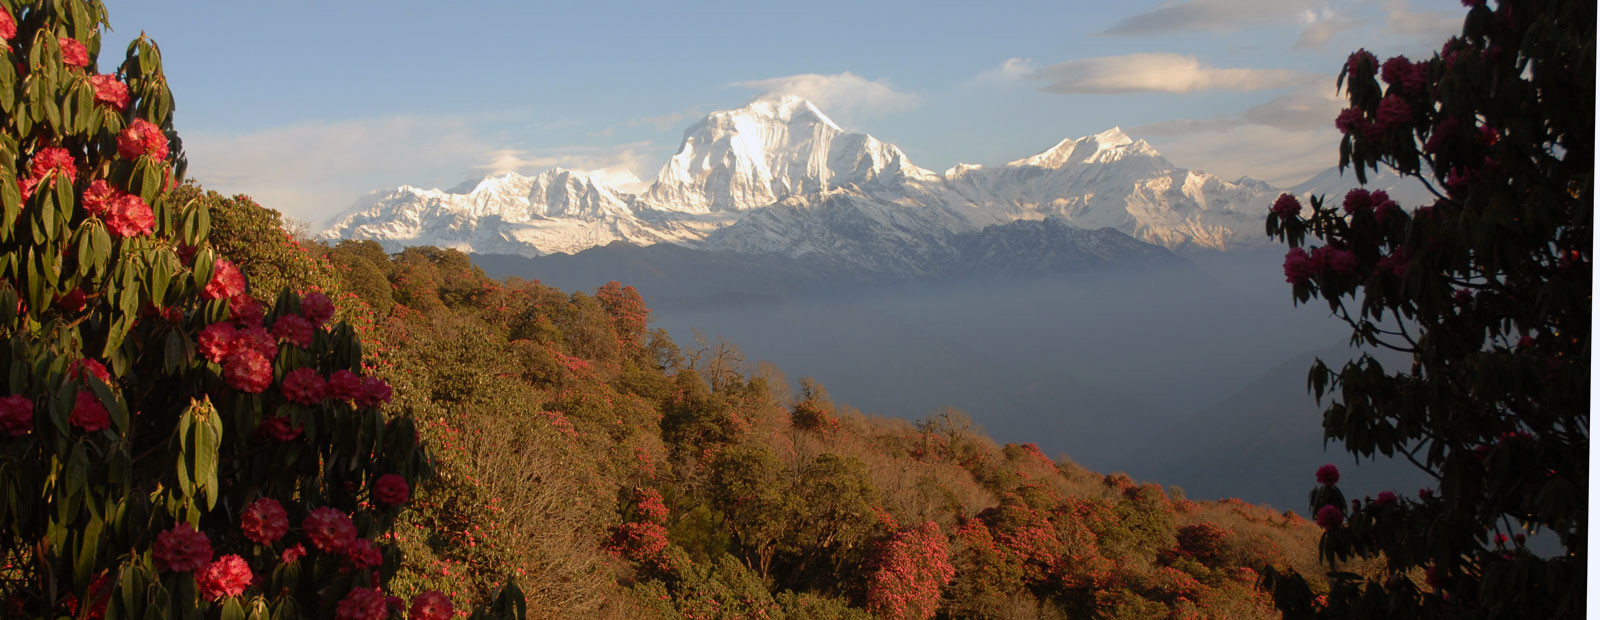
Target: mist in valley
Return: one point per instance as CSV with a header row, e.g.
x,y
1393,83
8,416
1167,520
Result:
x,y
1190,373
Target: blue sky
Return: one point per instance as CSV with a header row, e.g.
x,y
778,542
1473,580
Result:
x,y
307,105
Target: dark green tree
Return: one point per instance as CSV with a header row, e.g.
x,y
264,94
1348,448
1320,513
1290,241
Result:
x,y
1487,288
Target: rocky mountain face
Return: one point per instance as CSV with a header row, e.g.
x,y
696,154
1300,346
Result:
x,y
779,177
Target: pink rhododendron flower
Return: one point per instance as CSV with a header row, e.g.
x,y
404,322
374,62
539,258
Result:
x,y
228,576
247,371
343,385
328,529
364,554
1396,262
82,368
182,549
1286,206
264,521
140,138
255,338
54,159
295,329
246,310
88,414
1350,121
316,307
374,392
431,605
1357,201
1385,499
303,385
293,553
226,281
279,427
110,91
129,216
216,341
16,415
362,604
8,25
1401,72
391,489
98,197
1328,475
1329,517
73,52
1393,112
1297,267
1360,63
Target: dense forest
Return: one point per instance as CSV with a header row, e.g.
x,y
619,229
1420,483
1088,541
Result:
x,y
614,472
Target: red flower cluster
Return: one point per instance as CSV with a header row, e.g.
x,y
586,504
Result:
x,y
362,604
264,521
343,385
82,368
8,25
54,159
1393,112
649,506
303,385
329,529
316,307
391,489
1328,475
245,309
73,52
248,371
228,576
293,553
374,392
295,329
16,415
1328,258
364,554
1408,76
88,414
1297,267
129,216
216,341
279,427
110,91
908,572
97,198
182,549
1286,206
431,605
142,137
1385,499
1329,517
227,282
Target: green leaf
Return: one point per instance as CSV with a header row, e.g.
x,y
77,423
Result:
x,y
231,609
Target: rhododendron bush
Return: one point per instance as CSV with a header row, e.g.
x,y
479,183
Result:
x,y
170,445
1487,287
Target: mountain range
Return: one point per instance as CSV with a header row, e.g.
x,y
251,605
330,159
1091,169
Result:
x,y
779,177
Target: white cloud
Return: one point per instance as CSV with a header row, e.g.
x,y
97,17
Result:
x,y
1277,156
618,165
1320,26
842,96
1220,16
1433,27
1283,141
1155,72
1012,70
312,171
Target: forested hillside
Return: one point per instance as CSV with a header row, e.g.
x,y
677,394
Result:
x,y
615,473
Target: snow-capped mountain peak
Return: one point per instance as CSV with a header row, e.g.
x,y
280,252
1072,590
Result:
x,y
772,148
1106,146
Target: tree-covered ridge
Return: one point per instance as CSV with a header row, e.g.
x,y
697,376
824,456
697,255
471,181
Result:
x,y
615,473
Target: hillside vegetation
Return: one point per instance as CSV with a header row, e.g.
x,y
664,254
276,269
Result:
x,y
615,473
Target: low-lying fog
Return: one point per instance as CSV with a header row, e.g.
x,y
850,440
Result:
x,y
1194,376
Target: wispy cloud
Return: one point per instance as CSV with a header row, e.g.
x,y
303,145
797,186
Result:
x,y
312,171
619,165
1284,140
1431,26
1155,72
843,96
1220,16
